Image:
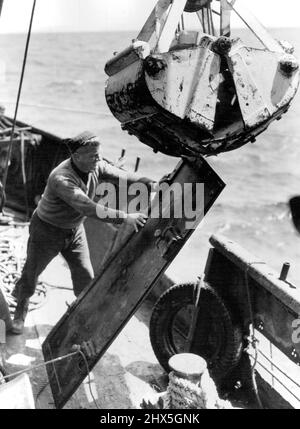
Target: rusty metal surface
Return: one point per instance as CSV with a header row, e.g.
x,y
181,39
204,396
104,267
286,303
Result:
x,y
276,304
104,308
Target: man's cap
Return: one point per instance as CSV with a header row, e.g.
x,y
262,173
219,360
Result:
x,y
83,139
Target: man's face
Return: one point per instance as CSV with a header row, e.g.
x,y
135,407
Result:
x,y
88,157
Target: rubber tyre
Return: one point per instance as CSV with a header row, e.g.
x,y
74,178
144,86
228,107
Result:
x,y
218,338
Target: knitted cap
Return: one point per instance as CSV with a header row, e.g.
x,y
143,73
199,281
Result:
x,y
81,140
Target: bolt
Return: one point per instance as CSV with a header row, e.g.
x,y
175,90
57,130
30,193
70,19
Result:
x,y
157,233
238,385
288,65
222,45
261,326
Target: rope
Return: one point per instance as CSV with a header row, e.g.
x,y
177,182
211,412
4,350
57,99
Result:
x,y
52,361
89,378
184,394
254,340
192,329
40,365
23,168
62,109
18,98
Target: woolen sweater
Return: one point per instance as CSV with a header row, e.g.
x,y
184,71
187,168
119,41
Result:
x,y
61,204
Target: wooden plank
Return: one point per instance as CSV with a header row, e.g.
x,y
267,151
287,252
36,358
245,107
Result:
x,y
104,308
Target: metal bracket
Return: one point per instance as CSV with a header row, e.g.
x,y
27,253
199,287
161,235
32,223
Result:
x,y
168,240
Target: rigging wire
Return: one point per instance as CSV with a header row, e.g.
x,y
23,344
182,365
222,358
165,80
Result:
x,y
253,339
52,361
62,109
89,378
40,365
275,377
279,369
18,97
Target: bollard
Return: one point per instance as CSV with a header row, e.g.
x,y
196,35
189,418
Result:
x,y
284,271
190,386
188,366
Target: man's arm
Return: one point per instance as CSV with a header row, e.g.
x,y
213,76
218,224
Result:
x,y
71,194
115,174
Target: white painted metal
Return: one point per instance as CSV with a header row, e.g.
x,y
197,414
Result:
x,y
191,95
153,23
202,107
225,16
261,87
169,29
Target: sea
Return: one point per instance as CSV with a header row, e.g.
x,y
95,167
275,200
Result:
x,y
63,93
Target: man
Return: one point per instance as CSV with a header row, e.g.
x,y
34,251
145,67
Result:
x,y
57,224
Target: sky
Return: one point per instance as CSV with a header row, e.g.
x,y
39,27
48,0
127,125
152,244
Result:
x,y
122,15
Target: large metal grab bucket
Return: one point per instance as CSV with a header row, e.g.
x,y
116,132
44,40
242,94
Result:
x,y
198,93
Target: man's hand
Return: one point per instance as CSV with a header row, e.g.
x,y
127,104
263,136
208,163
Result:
x,y
136,220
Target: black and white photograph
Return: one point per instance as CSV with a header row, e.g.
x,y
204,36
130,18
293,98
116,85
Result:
x,y
150,207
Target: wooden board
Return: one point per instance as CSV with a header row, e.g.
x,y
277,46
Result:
x,y
103,309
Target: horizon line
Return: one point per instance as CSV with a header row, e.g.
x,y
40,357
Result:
x,y
62,31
